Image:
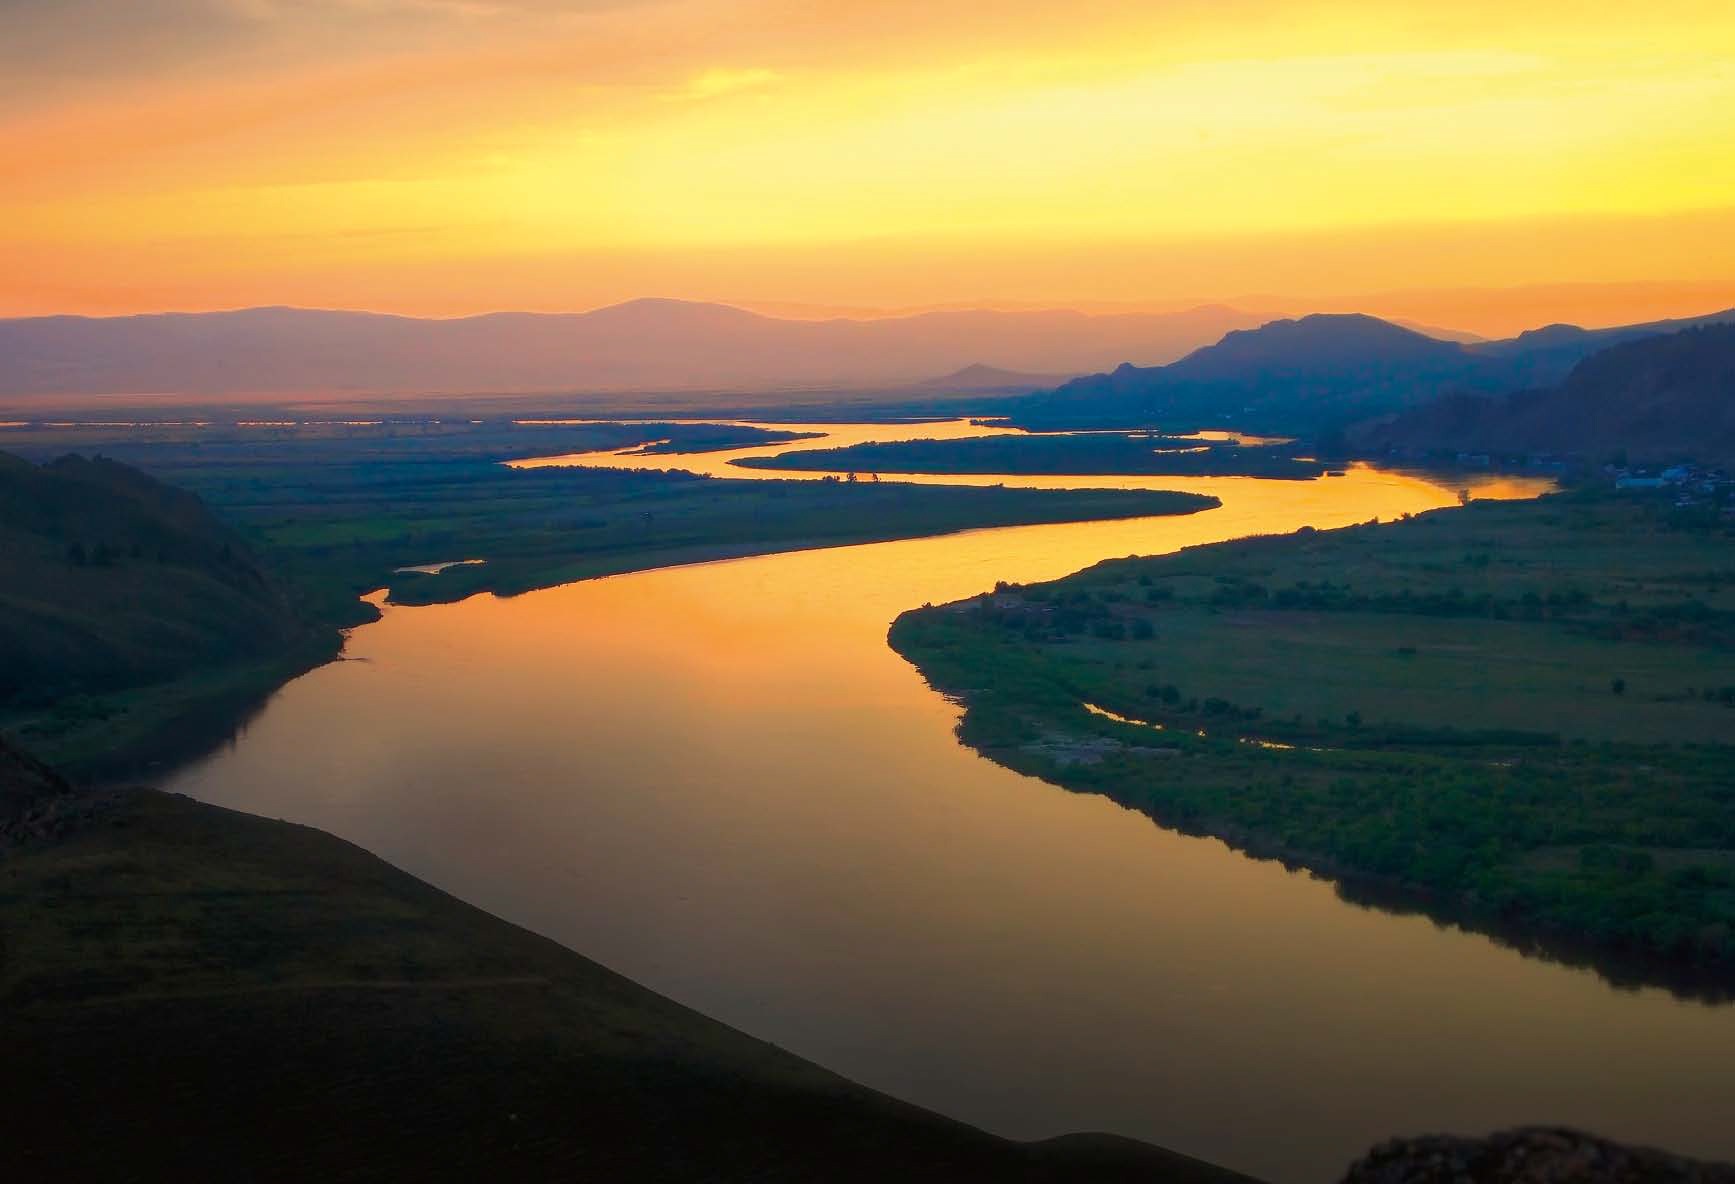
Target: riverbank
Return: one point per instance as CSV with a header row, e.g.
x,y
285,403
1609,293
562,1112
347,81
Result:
x,y
226,989
1107,453
1514,716
299,522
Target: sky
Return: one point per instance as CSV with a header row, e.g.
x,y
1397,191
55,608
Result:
x,y
1483,165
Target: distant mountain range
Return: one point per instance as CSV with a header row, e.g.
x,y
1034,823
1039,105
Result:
x,y
1322,373
989,378
1656,399
642,345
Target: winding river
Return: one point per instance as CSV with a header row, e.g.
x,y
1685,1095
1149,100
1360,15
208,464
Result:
x,y
719,781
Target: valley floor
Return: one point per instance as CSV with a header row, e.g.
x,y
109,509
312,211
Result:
x,y
1516,714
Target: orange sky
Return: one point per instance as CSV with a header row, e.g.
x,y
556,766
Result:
x,y
452,156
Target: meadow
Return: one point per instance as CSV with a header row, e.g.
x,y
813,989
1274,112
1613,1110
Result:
x,y
1516,715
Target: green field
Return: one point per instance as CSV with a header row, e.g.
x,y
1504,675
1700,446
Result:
x,y
1514,714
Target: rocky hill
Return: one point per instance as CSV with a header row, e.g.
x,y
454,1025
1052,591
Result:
x,y
1532,1155
1320,374
1656,399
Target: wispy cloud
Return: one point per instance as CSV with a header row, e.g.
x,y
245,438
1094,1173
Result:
x,y
721,81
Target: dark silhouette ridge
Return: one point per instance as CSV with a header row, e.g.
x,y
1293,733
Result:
x,y
1654,399
221,989
1321,373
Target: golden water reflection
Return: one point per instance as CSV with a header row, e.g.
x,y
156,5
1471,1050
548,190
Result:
x,y
843,435
720,781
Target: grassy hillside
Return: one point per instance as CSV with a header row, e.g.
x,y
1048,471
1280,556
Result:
x,y
1518,714
114,579
121,590
187,991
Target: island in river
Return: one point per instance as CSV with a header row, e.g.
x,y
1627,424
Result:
x,y
1129,453
239,911
1514,714
153,604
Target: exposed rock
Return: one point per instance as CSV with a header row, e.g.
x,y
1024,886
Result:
x,y
36,802
1530,1155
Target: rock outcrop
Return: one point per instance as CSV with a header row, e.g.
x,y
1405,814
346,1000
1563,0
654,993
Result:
x,y
1530,1155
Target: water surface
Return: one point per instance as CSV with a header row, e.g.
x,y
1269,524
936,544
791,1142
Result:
x,y
719,781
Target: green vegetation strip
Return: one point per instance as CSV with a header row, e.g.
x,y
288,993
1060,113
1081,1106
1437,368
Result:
x,y
1135,453
1517,715
140,622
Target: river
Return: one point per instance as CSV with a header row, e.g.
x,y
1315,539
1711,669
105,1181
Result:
x,y
719,781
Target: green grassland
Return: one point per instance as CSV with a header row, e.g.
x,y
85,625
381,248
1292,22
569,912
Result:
x,y
1094,452
192,993
1513,714
179,631
337,509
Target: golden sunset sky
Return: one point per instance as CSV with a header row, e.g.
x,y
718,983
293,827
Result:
x,y
453,156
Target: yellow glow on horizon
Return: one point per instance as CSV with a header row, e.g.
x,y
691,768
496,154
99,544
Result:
x,y
749,151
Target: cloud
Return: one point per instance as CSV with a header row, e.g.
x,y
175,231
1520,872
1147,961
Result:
x,y
721,81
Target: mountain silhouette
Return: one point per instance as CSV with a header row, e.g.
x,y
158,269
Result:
x,y
1656,398
648,344
1320,373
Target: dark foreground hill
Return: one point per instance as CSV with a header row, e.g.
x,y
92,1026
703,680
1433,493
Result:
x,y
114,579
1320,373
1657,399
191,993
114,582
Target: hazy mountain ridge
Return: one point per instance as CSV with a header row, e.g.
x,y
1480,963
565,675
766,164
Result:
x,y
1322,372
979,377
640,345
1656,398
